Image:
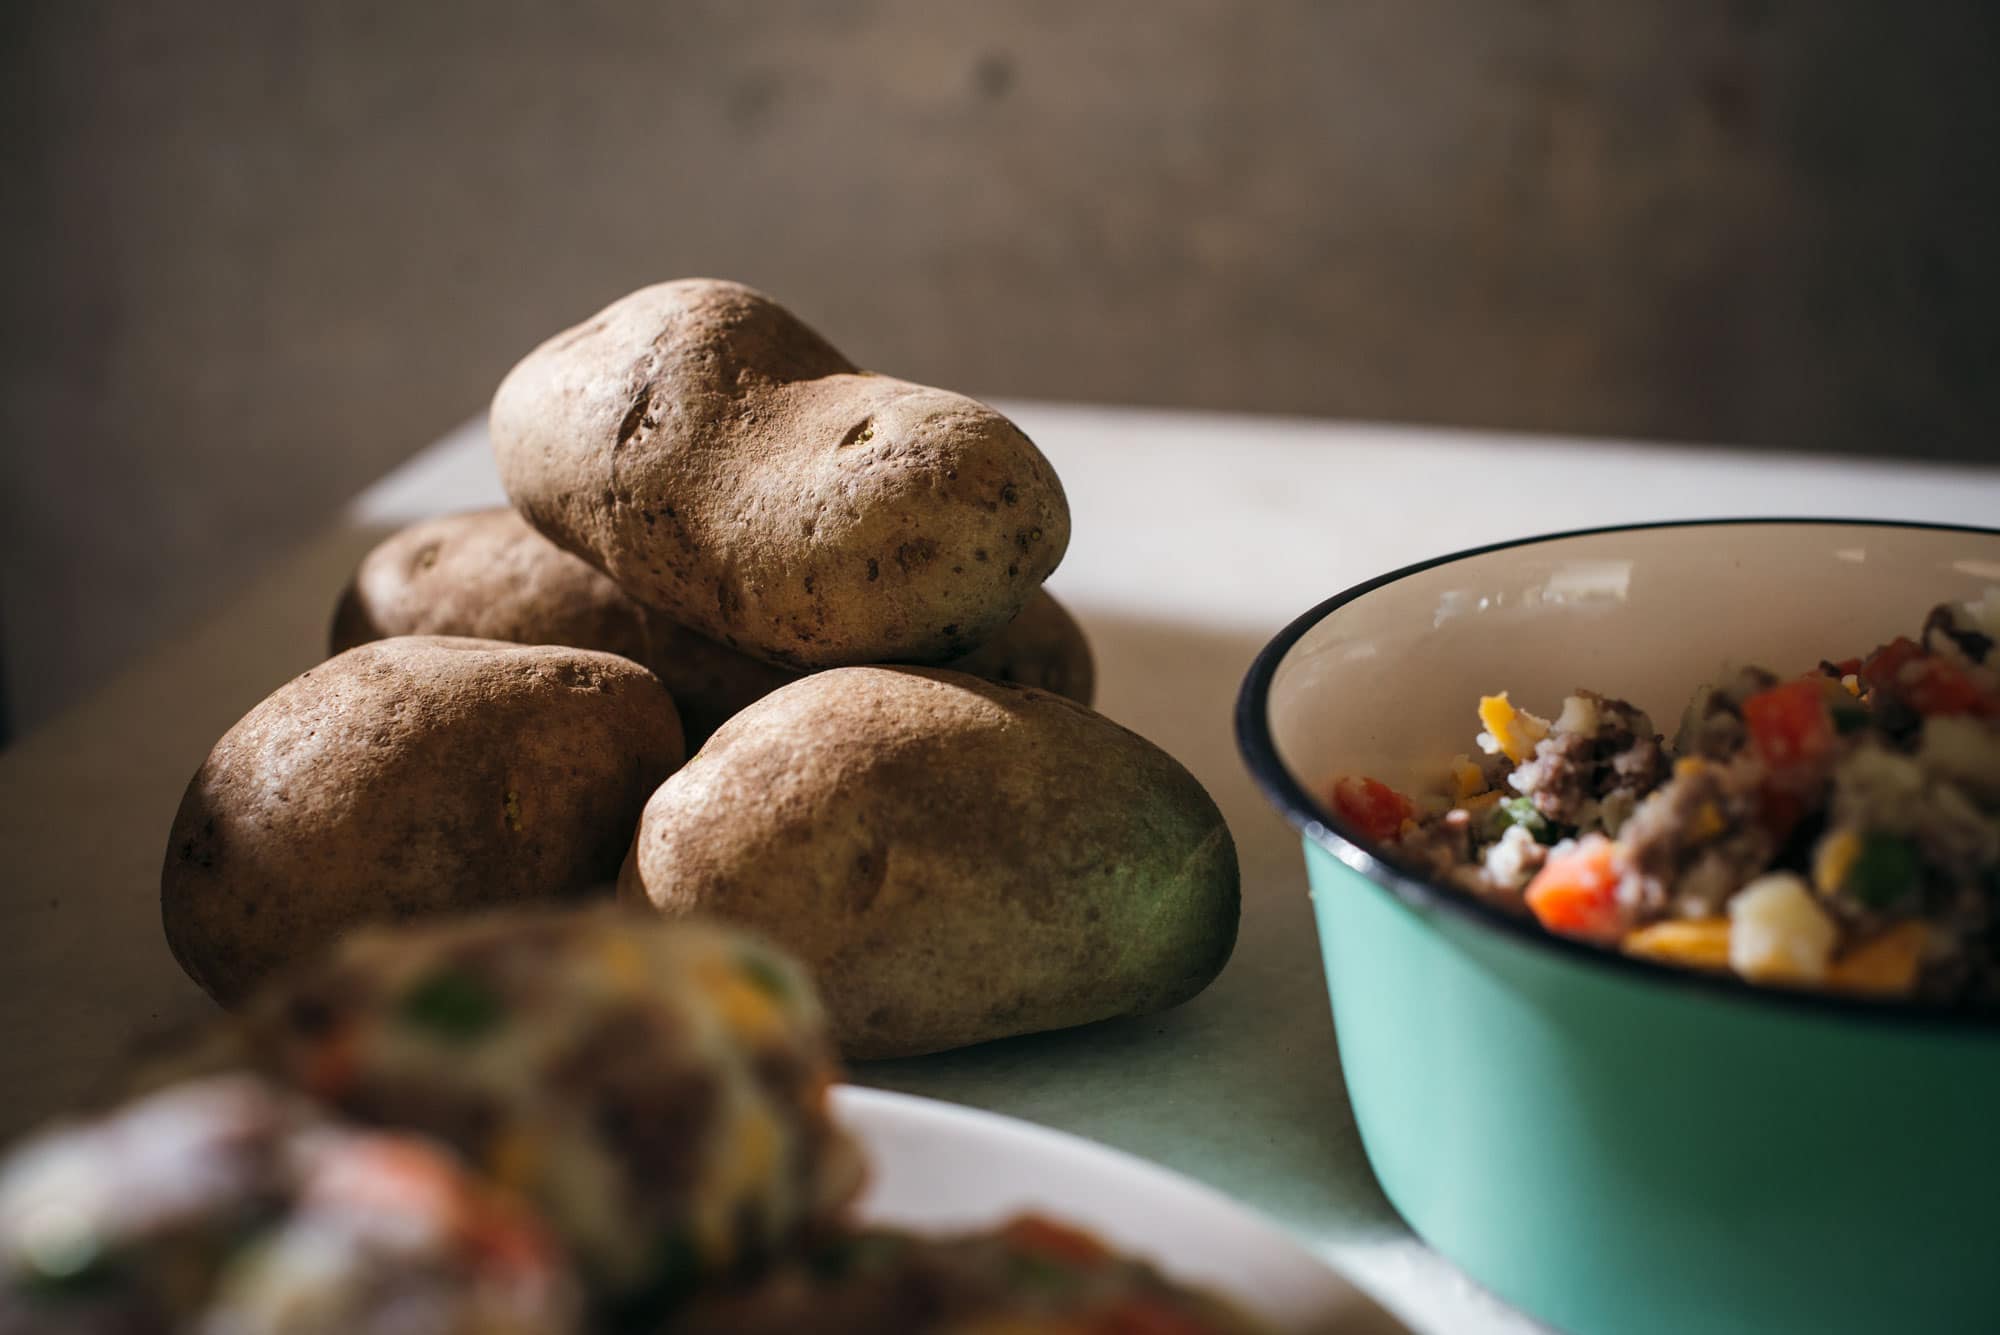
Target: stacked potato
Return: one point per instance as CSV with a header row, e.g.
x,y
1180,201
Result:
x,y
721,529
487,574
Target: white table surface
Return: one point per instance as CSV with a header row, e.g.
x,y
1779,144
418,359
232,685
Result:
x,y
1195,538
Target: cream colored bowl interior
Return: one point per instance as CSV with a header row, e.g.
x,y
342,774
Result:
x,y
1387,685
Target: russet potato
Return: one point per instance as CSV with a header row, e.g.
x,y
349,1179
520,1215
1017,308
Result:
x,y
954,859
488,574
725,465
407,778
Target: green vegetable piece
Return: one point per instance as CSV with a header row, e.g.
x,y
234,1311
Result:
x,y
1884,871
1849,719
856,1254
79,1274
769,978
1521,811
673,1276
453,1005
1042,1274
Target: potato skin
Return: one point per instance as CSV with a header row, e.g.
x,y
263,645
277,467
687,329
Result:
x,y
1043,647
415,776
725,465
955,860
488,574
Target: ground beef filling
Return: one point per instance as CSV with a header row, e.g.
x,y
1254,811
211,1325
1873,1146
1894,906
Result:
x,y
1591,770
1839,829
658,1091
227,1204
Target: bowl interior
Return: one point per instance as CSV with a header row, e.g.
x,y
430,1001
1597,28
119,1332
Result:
x,y
1387,683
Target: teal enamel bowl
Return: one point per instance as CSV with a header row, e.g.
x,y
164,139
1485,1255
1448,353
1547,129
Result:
x,y
1608,1144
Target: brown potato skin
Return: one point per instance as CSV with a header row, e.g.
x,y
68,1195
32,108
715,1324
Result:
x,y
725,465
1043,647
416,776
488,574
710,682
955,860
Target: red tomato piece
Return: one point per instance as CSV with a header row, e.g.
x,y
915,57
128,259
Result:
x,y
1576,893
1790,724
1045,1238
1376,809
507,1238
1884,665
330,1067
1939,686
395,1174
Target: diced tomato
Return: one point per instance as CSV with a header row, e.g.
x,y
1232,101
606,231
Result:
x,y
1790,724
1045,1238
395,1174
1376,809
1146,1316
506,1238
1939,686
1576,893
330,1067
1884,665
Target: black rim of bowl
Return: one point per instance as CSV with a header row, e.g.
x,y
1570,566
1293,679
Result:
x,y
1322,826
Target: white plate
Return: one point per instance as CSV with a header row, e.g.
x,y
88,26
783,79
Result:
x,y
937,1166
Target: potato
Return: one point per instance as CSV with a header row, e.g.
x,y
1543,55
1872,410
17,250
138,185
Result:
x,y
1042,647
416,776
955,860
725,465
489,574
714,680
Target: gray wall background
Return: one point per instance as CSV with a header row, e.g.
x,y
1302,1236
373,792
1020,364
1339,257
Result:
x,y
257,253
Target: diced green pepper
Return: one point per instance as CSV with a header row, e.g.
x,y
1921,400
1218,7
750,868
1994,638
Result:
x,y
672,1276
856,1254
79,1274
1884,871
765,973
1849,719
453,1005
1521,811
1043,1274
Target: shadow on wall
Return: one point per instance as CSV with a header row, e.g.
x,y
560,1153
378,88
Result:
x,y
255,254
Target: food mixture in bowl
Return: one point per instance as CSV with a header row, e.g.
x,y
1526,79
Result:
x,y
1836,830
